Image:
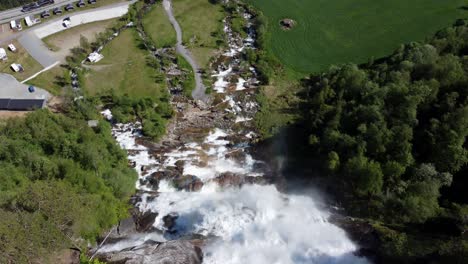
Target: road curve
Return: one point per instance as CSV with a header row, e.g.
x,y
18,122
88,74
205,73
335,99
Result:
x,y
199,93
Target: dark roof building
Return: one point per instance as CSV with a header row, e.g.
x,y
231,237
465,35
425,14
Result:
x,y
17,96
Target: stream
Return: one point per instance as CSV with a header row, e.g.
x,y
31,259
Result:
x,y
203,195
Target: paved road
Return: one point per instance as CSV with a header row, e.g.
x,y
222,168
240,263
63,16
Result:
x,y
199,93
30,39
37,49
12,14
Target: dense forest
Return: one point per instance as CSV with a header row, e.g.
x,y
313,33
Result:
x,y
62,183
392,134
7,4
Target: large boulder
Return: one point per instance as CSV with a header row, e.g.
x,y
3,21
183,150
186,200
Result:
x,y
171,252
144,221
229,179
170,221
188,183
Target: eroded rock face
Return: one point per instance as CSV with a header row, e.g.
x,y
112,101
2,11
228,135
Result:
x,y
171,252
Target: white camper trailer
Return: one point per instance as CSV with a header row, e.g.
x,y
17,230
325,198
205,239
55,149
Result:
x,y
16,25
3,55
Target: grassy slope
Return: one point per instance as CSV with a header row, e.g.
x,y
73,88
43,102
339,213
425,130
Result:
x,y
50,80
123,69
199,19
158,27
338,31
30,65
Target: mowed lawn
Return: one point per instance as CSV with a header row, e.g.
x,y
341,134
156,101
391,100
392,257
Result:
x,y
123,70
159,28
51,80
337,31
21,56
202,27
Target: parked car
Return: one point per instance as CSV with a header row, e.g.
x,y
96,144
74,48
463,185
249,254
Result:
x,y
66,22
91,1
80,3
69,7
45,14
57,11
31,89
30,7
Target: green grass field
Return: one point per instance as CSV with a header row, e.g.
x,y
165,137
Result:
x,y
123,70
158,27
51,80
337,31
202,27
30,65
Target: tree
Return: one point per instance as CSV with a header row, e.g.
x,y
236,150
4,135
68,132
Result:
x,y
366,175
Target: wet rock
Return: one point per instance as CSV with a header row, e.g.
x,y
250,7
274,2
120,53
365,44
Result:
x,y
144,221
188,183
180,166
171,252
132,164
170,221
229,179
168,174
237,155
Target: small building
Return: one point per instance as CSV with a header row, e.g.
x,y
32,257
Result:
x,y
95,57
3,55
93,123
17,96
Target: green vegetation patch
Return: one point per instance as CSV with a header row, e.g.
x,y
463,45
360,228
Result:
x,y
124,70
398,126
202,27
159,28
60,181
52,80
336,31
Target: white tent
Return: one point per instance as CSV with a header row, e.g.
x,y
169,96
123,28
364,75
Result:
x,y
3,54
95,57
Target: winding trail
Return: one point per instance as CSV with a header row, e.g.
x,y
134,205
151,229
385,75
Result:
x,y
199,92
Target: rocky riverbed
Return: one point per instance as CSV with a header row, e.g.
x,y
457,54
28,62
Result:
x,y
203,196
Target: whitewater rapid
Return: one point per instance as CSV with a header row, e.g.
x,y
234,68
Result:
x,y
252,223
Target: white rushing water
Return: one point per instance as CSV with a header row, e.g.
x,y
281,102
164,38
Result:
x,y
253,224
256,224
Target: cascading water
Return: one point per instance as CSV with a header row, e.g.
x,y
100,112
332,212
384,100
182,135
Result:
x,y
214,189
